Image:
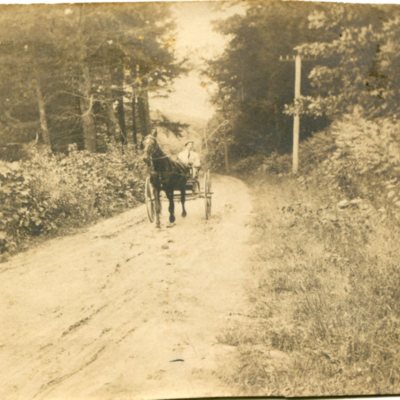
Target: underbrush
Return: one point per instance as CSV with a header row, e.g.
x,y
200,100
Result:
x,y
275,163
47,193
356,158
325,315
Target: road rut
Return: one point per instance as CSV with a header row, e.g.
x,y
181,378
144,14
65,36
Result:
x,y
124,310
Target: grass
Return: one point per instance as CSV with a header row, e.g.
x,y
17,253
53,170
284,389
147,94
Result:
x,y
325,305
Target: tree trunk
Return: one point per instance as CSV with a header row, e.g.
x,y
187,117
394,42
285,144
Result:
x,y
226,153
120,106
134,116
146,111
278,133
144,117
45,135
86,98
86,105
112,121
121,119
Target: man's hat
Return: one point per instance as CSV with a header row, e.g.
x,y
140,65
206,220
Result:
x,y
189,141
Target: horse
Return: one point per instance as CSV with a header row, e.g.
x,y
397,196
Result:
x,y
166,175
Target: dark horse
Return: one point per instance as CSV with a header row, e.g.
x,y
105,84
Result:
x,y
166,175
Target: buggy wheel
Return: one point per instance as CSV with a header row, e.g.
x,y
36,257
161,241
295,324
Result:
x,y
150,200
207,194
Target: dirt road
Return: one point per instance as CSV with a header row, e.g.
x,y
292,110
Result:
x,y
125,311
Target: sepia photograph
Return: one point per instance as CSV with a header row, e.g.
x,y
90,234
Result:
x,y
199,199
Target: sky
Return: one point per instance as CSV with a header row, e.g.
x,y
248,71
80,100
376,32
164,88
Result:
x,y
196,40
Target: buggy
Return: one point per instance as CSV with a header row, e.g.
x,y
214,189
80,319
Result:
x,y
193,191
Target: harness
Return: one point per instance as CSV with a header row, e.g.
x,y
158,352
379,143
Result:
x,y
155,173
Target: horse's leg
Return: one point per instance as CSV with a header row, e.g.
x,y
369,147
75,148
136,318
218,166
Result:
x,y
183,198
171,208
158,206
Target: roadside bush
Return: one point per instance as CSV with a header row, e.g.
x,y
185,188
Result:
x,y
315,150
277,163
214,158
363,161
249,164
15,200
45,193
274,163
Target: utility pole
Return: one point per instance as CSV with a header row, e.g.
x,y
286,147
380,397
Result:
x,y
296,117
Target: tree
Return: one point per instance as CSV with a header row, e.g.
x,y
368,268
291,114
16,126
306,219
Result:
x,y
253,86
350,69
79,89
25,55
351,59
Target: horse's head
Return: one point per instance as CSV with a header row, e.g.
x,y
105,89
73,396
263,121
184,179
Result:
x,y
150,147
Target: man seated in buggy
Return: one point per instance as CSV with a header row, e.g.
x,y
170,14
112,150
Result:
x,y
190,158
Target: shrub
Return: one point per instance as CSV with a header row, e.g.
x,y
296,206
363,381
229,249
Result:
x,y
274,163
249,164
45,193
315,150
15,199
363,161
277,163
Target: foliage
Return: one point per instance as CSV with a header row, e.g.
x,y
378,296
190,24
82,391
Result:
x,y
355,58
41,195
176,128
350,63
216,142
274,163
316,149
253,86
249,164
88,88
357,158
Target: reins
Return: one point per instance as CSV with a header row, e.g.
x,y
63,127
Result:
x,y
161,172
159,158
